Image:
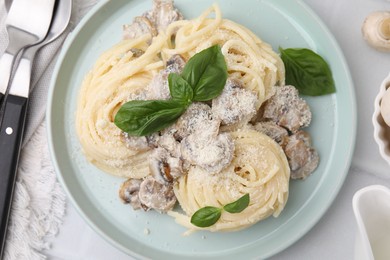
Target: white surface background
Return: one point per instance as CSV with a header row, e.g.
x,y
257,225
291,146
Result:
x,y
334,235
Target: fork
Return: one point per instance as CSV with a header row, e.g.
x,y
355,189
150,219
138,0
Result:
x,y
27,24
20,84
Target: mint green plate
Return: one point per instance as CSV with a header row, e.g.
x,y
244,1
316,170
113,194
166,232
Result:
x,y
94,193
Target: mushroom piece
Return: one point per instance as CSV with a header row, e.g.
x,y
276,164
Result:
x,y
235,104
287,109
137,52
163,167
376,30
137,143
168,141
302,157
158,88
175,63
154,21
128,192
212,153
163,14
140,26
272,130
156,196
197,118
152,139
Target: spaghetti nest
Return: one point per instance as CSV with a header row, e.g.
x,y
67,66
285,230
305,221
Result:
x,y
120,73
249,59
259,168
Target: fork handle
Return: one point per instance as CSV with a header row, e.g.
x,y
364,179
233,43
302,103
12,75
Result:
x,y
11,134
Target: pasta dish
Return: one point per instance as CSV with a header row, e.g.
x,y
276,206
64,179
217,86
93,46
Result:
x,y
248,140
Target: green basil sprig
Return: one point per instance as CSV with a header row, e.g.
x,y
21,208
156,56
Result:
x,y
203,78
208,216
207,73
307,71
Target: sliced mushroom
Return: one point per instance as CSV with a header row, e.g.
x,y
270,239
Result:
x,y
168,141
235,104
376,30
163,14
128,192
140,26
163,167
287,109
137,52
158,88
138,143
152,140
175,64
212,153
272,130
197,118
308,168
157,196
154,21
302,157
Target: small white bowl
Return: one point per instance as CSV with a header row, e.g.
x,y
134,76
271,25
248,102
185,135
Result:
x,y
371,207
381,129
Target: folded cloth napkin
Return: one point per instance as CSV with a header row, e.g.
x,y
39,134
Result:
x,y
39,202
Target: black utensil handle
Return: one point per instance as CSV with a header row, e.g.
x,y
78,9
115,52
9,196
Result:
x,y
1,98
11,134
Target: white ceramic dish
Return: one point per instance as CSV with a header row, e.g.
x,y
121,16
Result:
x,y
371,206
381,129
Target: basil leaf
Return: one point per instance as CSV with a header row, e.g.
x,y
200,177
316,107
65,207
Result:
x,y
238,205
179,88
144,117
307,71
203,78
206,216
206,72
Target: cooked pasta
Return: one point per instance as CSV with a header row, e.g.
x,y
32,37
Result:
x,y
118,74
259,168
237,159
249,59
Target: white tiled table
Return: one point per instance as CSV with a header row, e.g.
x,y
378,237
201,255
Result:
x,y
334,235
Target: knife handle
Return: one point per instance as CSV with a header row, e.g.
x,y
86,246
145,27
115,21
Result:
x,y
20,85
6,63
11,134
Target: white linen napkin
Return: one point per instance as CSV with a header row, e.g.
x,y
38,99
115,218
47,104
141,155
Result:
x,y
39,202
